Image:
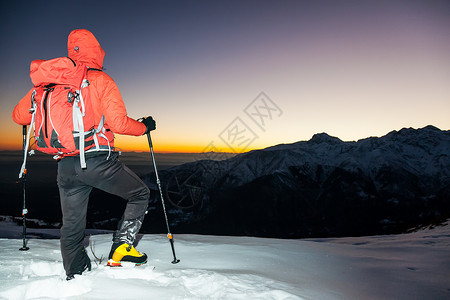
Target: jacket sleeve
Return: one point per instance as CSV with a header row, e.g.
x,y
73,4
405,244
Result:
x,y
21,113
114,110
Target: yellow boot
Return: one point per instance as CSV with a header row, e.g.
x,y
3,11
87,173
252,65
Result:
x,y
122,252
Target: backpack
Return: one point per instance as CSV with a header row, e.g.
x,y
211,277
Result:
x,y
63,117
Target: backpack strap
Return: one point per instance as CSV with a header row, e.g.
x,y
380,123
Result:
x,y
78,113
100,131
25,150
78,127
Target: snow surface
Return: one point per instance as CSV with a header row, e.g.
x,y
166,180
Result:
x,y
408,266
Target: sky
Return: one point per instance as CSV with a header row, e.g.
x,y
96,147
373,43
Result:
x,y
233,76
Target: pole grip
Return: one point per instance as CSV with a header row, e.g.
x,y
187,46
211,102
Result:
x,y
24,134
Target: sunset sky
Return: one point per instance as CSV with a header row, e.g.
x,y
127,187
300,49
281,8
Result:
x,y
240,75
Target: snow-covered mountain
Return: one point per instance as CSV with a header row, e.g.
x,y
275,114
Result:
x,y
320,187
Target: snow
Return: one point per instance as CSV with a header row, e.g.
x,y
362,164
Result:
x,y
409,266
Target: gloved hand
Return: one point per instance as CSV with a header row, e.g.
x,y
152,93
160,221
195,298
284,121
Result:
x,y
149,123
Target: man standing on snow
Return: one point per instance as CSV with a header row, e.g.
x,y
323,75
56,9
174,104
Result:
x,y
104,171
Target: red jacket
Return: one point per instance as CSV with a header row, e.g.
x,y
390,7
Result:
x,y
103,91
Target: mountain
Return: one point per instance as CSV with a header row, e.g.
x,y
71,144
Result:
x,y
318,188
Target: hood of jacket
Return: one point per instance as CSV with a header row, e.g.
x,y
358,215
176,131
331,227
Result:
x,y
82,46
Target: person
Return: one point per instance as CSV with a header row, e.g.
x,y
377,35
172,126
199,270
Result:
x,y
104,171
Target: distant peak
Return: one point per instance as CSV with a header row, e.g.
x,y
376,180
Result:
x,y
431,127
324,138
411,131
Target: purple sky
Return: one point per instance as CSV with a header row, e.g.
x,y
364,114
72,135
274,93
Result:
x,y
352,69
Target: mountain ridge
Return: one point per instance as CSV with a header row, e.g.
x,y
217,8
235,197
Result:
x,y
321,187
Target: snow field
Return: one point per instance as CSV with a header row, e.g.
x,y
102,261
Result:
x,y
203,273
409,266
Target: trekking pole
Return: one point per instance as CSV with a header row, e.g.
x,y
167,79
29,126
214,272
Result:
x,y
169,235
24,180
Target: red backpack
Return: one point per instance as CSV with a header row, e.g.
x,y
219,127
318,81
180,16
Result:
x,y
63,117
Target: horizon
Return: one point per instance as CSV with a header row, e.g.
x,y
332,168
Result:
x,y
247,150
237,76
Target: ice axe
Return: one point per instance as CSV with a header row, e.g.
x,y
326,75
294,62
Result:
x,y
169,235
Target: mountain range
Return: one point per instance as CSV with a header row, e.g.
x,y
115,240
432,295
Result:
x,y
318,188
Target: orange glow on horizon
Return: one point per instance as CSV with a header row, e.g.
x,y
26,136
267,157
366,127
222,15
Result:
x,y
168,147
130,144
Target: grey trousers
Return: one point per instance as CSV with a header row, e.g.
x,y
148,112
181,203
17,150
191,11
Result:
x,y
75,185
